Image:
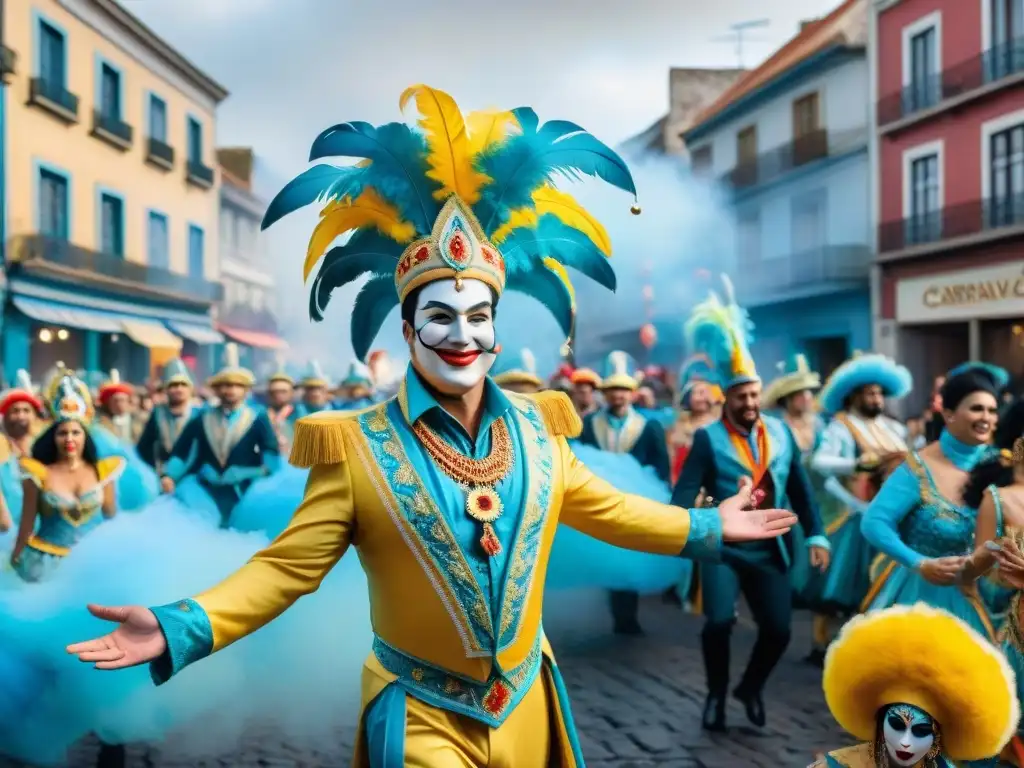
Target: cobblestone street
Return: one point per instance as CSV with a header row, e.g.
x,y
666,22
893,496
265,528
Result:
x,y
637,703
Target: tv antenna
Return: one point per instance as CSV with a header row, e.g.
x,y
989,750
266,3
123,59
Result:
x,y
737,35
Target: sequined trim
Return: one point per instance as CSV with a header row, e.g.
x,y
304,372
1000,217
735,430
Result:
x,y
50,549
489,703
704,541
189,635
930,495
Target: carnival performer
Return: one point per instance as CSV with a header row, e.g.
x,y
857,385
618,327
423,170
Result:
x,y
476,480
585,385
21,410
700,404
920,689
791,397
858,450
168,420
316,390
919,521
228,447
281,407
745,444
935,422
619,428
357,388
518,374
115,410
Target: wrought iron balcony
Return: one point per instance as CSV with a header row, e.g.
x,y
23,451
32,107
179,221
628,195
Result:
x,y
998,67
112,129
61,260
199,174
823,269
794,154
953,226
54,98
8,62
160,153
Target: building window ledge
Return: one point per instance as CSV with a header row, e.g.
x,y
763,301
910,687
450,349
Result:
x,y
54,98
8,62
160,154
199,175
965,225
112,130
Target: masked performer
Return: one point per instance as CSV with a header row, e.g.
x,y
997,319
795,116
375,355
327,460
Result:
x,y
168,420
700,404
454,487
745,444
920,688
21,410
858,450
228,447
116,410
585,385
316,390
357,388
281,409
518,375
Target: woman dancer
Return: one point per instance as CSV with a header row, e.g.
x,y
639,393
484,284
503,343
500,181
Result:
x,y
700,404
920,520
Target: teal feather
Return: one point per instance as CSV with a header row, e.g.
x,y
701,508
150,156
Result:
x,y
372,306
321,182
567,245
546,287
366,251
398,165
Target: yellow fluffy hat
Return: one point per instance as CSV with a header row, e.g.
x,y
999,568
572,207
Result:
x,y
924,657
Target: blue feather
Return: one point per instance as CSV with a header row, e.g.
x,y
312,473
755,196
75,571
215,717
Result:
x,y
547,288
372,306
366,251
566,245
318,182
527,119
398,166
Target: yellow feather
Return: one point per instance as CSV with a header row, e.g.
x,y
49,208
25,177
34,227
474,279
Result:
x,y
559,270
341,216
564,206
451,164
520,217
487,127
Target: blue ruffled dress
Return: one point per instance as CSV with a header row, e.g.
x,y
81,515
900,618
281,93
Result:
x,y
138,484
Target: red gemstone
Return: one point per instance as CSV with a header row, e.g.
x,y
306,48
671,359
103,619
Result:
x,y
489,542
457,248
497,698
422,254
484,502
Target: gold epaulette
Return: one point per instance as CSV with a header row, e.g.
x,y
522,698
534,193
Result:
x,y
560,416
320,437
34,469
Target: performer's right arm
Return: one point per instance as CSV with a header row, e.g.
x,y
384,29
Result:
x,y
837,454
29,511
146,446
880,525
697,472
292,566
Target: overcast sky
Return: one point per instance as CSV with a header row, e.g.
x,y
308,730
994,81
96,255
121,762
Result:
x,y
295,67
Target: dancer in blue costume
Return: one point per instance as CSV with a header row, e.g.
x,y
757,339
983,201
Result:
x,y
168,420
356,388
228,449
920,520
22,412
860,447
619,428
460,672
518,373
316,390
745,443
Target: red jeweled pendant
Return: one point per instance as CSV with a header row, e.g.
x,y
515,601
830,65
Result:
x,y
489,541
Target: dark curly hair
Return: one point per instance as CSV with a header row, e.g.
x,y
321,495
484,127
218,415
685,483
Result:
x,y
44,449
995,470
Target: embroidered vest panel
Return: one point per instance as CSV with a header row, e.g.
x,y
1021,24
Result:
x,y
236,446
730,468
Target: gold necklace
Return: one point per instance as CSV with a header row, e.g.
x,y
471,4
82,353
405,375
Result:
x,y
477,477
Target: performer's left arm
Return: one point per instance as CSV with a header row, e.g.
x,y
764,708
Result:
x,y
899,495
596,508
801,497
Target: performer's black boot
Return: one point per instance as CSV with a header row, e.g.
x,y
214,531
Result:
x,y
770,645
625,611
715,640
111,756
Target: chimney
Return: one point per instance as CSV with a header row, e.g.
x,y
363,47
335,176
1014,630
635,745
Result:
x,y
807,23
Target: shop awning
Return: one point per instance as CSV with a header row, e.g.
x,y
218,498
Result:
x,y
254,338
55,313
200,334
149,333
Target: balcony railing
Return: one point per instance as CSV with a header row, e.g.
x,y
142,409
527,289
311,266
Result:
x,y
199,174
801,151
38,251
804,270
54,98
975,218
957,82
8,62
112,129
160,153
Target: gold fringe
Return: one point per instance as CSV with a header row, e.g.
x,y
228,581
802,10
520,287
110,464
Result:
x,y
320,439
560,416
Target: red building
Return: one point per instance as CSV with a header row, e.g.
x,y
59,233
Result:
x,y
949,154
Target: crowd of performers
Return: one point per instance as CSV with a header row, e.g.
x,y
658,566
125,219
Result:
x,y
784,490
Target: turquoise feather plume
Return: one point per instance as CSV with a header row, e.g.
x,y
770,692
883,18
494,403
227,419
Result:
x,y
372,306
367,251
567,245
546,287
319,183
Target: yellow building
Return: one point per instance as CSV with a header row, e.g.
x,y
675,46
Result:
x,y
112,193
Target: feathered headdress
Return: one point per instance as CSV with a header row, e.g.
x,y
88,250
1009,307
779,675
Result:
x,y
23,392
697,369
460,197
722,332
521,370
860,371
72,401
1000,376
586,376
176,372
620,372
795,376
114,386
232,372
358,376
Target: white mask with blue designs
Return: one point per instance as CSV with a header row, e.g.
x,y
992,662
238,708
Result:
x,y
909,735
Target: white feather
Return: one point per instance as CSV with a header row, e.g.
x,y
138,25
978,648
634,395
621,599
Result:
x,y
315,371
24,380
115,376
529,362
730,292
802,365
231,355
619,363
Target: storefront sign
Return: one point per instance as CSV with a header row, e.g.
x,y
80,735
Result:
x,y
988,292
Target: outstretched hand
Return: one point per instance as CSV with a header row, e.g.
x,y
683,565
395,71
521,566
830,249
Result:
x,y
1011,563
137,639
742,521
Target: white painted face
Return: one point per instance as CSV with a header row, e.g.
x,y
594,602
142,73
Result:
x,y
909,734
453,335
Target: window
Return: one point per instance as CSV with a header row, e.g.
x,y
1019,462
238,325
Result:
x,y
1006,54
256,299
746,146
54,212
806,115
157,118
111,224
52,55
749,238
158,241
808,212
700,159
925,219
110,92
195,251
1006,160
195,141
923,88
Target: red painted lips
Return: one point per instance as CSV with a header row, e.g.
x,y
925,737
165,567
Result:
x,y
458,358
